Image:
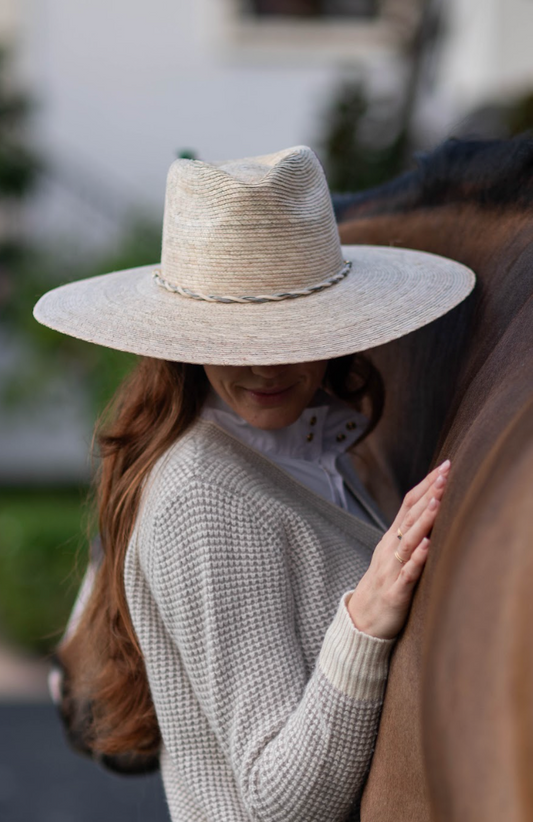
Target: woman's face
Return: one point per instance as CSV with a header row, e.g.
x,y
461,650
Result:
x,y
267,396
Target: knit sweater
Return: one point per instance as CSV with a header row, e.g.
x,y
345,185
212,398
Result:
x,y
267,696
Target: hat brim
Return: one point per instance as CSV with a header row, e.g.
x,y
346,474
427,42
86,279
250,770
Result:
x,y
388,293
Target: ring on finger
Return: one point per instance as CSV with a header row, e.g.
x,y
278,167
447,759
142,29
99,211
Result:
x,y
399,533
399,558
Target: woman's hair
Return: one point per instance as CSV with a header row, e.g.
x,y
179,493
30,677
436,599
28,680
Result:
x,y
106,703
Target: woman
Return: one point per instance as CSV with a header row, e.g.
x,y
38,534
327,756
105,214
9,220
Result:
x,y
250,592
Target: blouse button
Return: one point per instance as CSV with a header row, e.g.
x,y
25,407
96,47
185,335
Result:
x,y
312,421
341,437
351,425
310,437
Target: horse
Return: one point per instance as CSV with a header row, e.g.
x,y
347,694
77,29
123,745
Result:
x,y
455,742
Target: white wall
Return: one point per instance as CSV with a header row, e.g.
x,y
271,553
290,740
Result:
x,y
488,55
123,85
8,18
514,65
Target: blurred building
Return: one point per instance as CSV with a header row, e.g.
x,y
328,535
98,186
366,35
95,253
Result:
x,y
8,18
123,87
484,59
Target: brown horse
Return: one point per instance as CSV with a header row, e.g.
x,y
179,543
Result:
x,y
456,736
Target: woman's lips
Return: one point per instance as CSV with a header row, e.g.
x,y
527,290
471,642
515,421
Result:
x,y
268,396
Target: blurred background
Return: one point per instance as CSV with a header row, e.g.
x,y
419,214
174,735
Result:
x,y
96,100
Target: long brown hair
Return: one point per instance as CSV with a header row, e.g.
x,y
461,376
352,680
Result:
x,y
106,701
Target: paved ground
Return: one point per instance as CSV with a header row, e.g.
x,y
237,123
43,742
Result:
x,y
41,780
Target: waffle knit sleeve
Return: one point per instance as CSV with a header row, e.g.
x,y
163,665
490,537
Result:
x,y
298,746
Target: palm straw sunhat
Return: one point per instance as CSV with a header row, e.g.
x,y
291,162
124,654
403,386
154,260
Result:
x,y
252,272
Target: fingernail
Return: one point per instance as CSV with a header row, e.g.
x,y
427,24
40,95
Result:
x,y
440,481
445,464
425,543
433,504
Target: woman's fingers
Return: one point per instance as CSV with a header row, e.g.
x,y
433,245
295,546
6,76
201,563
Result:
x,y
436,490
380,602
412,570
419,492
420,529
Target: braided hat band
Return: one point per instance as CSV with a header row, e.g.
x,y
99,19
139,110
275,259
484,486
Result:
x,y
260,298
243,242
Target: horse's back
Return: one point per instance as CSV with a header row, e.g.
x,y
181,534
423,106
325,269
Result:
x,y
477,701
467,616
456,736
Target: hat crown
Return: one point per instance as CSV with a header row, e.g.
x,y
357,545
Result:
x,y
260,225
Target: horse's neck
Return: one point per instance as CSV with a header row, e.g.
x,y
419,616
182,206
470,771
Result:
x,y
426,372
464,232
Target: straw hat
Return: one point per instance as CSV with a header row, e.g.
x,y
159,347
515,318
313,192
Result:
x,y
252,272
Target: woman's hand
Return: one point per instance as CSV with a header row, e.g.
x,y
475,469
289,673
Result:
x,y
380,603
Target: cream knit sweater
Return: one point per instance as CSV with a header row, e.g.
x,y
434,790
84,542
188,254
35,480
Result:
x,y
267,696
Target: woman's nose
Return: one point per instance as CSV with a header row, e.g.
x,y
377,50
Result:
x,y
268,372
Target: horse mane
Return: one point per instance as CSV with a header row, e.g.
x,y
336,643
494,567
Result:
x,y
488,173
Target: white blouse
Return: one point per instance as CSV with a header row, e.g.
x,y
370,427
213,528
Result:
x,y
313,450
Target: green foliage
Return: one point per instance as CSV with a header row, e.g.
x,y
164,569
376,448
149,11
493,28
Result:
x,y
363,144
18,169
48,358
520,114
43,541
18,165
43,552
187,154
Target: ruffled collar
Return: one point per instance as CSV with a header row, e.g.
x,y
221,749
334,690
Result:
x,y
326,426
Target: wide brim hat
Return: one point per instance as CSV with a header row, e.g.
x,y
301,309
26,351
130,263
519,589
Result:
x,y
252,272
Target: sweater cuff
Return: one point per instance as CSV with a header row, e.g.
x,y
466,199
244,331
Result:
x,y
355,663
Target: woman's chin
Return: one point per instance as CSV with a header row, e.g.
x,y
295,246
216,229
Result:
x,y
271,419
